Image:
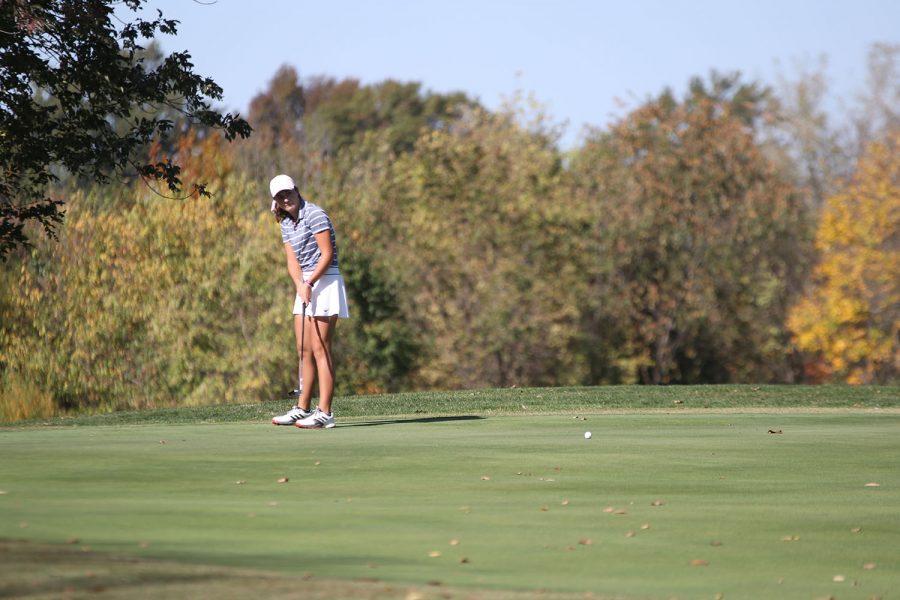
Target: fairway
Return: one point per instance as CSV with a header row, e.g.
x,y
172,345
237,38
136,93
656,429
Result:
x,y
690,504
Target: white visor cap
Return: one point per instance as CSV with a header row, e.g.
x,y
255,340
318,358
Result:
x,y
280,183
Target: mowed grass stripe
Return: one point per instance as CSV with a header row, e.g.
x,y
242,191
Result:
x,y
504,503
525,401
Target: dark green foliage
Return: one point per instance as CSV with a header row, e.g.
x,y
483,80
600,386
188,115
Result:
x,y
332,115
69,79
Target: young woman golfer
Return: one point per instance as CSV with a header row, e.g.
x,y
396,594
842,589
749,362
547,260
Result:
x,y
312,263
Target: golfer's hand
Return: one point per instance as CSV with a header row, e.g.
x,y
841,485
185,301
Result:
x,y
305,293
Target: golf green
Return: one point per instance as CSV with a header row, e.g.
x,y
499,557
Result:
x,y
655,505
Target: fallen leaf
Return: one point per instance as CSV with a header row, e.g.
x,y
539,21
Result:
x,y
283,480
630,534
873,484
272,504
839,579
657,503
434,553
317,463
775,431
162,441
699,562
464,560
73,540
678,402
609,509
240,482
545,508
791,538
564,503
621,511
856,530
868,566
645,526
454,542
3,492
716,543
485,478
585,541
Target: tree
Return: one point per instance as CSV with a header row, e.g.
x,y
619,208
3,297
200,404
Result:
x,y
69,80
825,144
849,320
695,239
480,246
332,115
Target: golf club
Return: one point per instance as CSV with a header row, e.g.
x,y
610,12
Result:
x,y
302,340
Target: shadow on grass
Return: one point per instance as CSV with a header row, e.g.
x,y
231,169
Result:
x,y
414,420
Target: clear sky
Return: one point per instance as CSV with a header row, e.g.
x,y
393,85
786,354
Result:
x,y
576,56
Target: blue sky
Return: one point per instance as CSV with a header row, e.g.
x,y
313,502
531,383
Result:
x,y
575,56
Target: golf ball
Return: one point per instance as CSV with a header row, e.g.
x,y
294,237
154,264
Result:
x,y
587,435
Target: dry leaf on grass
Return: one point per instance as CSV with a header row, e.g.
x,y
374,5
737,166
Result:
x,y
283,480
868,566
873,484
434,553
657,503
699,562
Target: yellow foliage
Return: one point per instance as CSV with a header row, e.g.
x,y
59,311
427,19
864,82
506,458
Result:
x,y
850,318
20,401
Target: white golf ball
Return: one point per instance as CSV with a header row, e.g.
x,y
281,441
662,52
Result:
x,y
587,435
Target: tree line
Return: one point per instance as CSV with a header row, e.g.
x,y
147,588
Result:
x,y
729,234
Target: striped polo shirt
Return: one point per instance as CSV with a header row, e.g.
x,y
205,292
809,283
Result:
x,y
300,234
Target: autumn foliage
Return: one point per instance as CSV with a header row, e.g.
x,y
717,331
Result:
x,y
849,320
672,246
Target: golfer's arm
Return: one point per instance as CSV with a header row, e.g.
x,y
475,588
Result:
x,y
323,240
293,266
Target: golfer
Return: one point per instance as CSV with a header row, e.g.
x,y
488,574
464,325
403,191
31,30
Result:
x,y
312,263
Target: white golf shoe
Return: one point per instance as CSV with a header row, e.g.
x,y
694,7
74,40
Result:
x,y
291,416
317,420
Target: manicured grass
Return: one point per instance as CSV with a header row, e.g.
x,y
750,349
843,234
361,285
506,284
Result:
x,y
522,401
682,502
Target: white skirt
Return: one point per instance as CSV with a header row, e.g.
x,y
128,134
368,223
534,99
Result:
x,y
329,297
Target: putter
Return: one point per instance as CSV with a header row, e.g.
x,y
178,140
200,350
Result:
x,y
302,340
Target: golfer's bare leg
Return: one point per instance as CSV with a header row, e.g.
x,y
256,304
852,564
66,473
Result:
x,y
321,331
306,367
